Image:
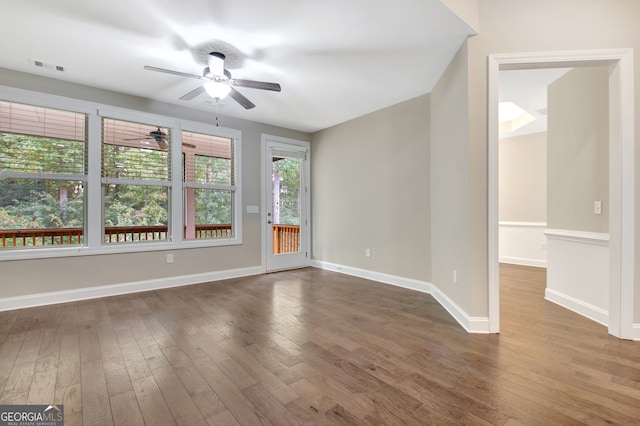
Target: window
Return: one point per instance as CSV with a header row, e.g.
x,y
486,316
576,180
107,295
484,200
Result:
x,y
135,181
43,174
79,178
209,186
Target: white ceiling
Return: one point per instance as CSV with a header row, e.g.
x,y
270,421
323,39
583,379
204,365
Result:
x,y
335,59
528,89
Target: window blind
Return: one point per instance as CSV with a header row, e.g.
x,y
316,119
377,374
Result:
x,y
38,140
208,159
135,151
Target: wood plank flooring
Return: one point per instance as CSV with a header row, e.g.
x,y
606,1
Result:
x,y
315,347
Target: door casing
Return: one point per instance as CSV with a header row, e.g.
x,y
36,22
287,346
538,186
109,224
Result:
x,y
268,142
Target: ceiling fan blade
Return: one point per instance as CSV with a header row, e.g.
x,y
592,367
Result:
x,y
192,94
239,97
252,84
166,71
142,138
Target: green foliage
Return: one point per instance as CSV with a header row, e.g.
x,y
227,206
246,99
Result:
x,y
213,206
41,208
40,203
287,170
135,205
213,170
34,154
126,162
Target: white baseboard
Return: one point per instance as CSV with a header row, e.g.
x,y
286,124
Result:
x,y
470,324
635,332
586,310
40,299
523,262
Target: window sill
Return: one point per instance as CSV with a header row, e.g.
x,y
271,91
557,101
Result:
x,y
73,251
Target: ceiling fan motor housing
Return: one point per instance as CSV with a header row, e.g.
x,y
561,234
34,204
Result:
x,y
216,64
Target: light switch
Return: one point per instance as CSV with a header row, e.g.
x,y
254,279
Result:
x,y
597,207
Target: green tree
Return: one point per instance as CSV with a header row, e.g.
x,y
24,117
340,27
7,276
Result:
x,y
286,176
40,202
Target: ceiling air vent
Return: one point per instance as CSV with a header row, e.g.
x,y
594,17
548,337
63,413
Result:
x,y
47,66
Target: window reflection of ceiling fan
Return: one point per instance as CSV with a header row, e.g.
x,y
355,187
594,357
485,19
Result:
x,y
158,136
218,82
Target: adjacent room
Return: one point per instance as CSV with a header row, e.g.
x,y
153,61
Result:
x,y
285,212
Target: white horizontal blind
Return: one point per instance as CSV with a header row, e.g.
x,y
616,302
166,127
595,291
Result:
x,y
208,161
135,152
283,153
43,142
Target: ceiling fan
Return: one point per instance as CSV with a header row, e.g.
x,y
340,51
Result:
x,y
158,136
218,82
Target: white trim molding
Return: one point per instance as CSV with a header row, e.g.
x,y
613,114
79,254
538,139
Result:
x,y
582,237
470,324
594,313
65,296
523,243
578,272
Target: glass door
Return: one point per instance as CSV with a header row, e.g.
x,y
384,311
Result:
x,y
286,209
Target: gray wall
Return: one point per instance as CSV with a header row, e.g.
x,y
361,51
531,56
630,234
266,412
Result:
x,y
450,182
578,150
517,26
523,178
22,277
370,189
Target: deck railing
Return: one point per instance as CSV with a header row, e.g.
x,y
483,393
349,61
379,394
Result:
x,y
214,231
112,234
286,239
40,237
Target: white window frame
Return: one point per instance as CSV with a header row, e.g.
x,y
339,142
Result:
x,y
176,156
94,224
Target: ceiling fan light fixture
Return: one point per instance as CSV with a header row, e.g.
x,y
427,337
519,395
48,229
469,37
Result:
x,y
216,89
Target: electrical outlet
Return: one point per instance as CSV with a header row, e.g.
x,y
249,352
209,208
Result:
x,y
455,276
367,252
170,258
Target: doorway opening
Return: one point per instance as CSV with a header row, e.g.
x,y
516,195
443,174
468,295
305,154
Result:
x,y
621,175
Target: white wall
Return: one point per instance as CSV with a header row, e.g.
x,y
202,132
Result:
x,y
578,272
523,243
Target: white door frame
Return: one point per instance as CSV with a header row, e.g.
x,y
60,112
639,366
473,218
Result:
x,y
305,225
621,175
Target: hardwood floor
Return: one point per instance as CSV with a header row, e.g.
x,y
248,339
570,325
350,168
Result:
x,y
316,347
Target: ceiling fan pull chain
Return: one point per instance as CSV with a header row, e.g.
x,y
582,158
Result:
x,y
217,102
